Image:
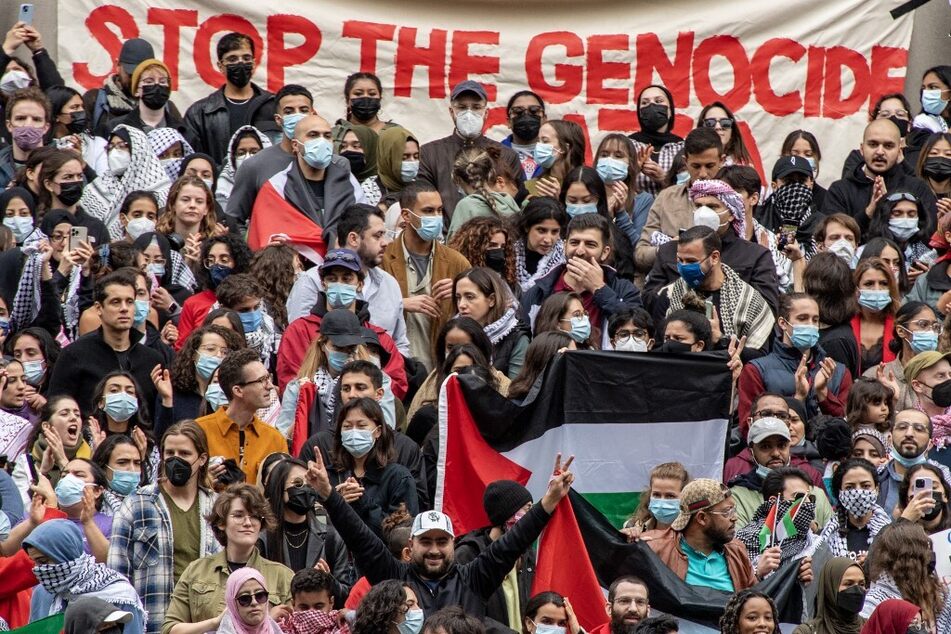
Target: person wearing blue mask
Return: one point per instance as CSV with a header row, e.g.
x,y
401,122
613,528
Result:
x,y
235,432
293,103
120,460
935,98
119,411
797,366
912,443
79,494
659,505
243,294
424,268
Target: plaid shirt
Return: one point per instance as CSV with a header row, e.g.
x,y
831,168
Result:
x,y
141,548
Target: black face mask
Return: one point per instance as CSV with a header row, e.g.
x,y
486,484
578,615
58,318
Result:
x,y
365,108
526,127
937,168
77,122
239,74
941,394
495,260
156,96
653,117
358,161
70,193
851,600
902,125
178,471
935,510
916,629
301,500
674,346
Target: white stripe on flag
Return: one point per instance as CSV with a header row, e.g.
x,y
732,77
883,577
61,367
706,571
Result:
x,y
618,457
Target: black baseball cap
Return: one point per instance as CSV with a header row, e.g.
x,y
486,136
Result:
x,y
134,52
787,165
468,86
342,327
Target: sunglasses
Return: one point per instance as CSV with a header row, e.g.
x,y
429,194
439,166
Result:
x,y
725,123
894,198
259,597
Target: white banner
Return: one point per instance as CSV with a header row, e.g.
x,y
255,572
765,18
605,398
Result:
x,y
810,64
941,544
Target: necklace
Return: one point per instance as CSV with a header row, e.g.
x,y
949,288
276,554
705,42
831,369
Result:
x,y
302,534
239,102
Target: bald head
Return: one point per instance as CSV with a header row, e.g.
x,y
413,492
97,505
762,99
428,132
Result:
x,y
881,146
313,126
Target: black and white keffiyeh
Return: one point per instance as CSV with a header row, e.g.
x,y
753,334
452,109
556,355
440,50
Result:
x,y
228,170
552,259
103,197
789,547
160,139
498,329
77,576
793,203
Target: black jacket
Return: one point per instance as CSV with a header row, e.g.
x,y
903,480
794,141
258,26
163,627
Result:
x,y
467,585
839,344
502,351
752,262
852,194
209,124
83,363
616,294
473,544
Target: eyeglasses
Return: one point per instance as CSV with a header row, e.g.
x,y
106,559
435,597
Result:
x,y
728,513
58,237
263,381
260,597
894,198
242,517
215,350
768,413
151,82
726,123
900,113
924,324
918,428
518,111
637,333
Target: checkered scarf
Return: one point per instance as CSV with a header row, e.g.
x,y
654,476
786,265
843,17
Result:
x,y
793,203
789,547
26,303
160,139
548,263
314,622
76,576
725,194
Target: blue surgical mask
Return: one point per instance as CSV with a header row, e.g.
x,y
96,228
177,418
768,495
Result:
x,y
812,164
33,371
120,406
125,482
903,228
932,103
664,511
430,227
217,274
215,396
21,226
357,442
413,622
341,295
924,341
206,365
874,300
141,312
804,336
611,170
574,209
408,171
692,273
4,327
544,154
337,359
157,269
317,153
908,463
682,177
580,328
289,122
762,471
69,490
251,320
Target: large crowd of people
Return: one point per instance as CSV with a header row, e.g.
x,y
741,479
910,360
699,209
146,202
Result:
x,y
203,428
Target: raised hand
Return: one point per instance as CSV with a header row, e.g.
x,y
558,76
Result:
x,y
55,444
162,380
559,485
98,436
317,476
802,379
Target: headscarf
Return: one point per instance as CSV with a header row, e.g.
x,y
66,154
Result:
x,y
225,181
177,273
104,196
725,194
369,141
163,138
55,217
656,139
199,155
392,143
793,203
86,614
891,616
17,192
829,618
235,580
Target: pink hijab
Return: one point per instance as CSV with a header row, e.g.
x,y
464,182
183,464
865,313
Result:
x,y
235,580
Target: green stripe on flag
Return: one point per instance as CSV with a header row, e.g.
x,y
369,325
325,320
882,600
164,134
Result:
x,y
49,625
617,507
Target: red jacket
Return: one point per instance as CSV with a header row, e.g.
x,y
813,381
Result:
x,y
743,463
302,332
18,581
194,311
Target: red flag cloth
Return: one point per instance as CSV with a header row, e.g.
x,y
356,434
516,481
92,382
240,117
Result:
x,y
467,463
272,214
300,430
564,566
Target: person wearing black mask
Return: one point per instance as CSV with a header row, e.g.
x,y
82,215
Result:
x,y
213,120
152,85
166,520
71,126
363,93
934,167
840,598
655,116
526,114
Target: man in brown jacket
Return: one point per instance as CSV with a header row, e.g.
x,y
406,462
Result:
x,y
700,546
424,268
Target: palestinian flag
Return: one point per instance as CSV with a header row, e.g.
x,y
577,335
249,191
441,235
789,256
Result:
x,y
779,527
274,214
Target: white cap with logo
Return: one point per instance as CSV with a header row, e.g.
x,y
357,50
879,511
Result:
x,y
432,521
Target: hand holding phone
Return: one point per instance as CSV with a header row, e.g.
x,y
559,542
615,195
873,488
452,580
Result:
x,y
34,474
77,235
26,14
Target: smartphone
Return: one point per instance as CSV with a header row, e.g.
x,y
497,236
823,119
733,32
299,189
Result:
x,y
34,476
77,235
923,483
708,305
26,14
928,258
787,234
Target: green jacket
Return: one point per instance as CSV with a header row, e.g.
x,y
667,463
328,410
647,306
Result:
x,y
748,500
475,205
200,593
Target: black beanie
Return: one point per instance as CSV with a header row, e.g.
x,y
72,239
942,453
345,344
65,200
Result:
x,y
503,499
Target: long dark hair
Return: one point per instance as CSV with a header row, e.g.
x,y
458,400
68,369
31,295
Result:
x,y
910,476
467,325
537,211
878,225
538,601
873,249
736,146
274,492
379,608
588,177
103,453
838,476
140,419
48,346
540,352
382,453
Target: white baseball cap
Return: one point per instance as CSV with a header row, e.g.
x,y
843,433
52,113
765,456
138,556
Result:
x,y
432,521
765,427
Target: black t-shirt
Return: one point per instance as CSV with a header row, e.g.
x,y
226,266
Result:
x,y
237,114
317,191
296,536
531,261
858,539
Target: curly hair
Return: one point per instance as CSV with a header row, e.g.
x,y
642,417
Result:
x,y
730,621
273,267
166,222
472,240
184,375
237,248
903,551
379,608
254,504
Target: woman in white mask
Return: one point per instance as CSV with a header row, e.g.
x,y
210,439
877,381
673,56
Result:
x,y
18,211
900,216
549,613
